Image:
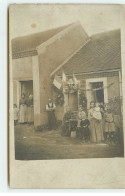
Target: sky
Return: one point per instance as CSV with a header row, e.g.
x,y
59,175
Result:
x,y
29,19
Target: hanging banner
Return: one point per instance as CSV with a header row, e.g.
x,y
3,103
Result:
x,y
57,82
64,78
75,80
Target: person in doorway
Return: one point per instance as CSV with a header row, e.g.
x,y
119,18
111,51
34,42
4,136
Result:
x,y
65,126
16,114
23,110
50,108
30,109
102,109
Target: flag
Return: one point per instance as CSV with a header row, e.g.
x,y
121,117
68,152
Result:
x,y
75,80
64,77
57,82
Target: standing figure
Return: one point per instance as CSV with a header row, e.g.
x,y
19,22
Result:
x,y
110,128
65,126
92,122
85,129
98,123
50,108
23,109
102,110
16,114
30,109
81,115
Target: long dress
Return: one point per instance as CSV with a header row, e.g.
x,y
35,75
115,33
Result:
x,y
96,130
109,123
65,126
23,111
30,111
92,125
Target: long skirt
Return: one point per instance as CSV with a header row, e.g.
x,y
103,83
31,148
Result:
x,y
109,127
96,131
65,129
23,113
30,114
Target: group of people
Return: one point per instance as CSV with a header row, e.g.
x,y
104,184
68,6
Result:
x,y
97,126
25,113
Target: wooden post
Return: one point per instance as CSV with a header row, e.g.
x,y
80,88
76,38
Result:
x,y
120,83
78,98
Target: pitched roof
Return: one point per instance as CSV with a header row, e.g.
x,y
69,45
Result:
x,y
30,42
102,52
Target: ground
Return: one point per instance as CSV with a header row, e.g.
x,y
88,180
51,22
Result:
x,y
32,145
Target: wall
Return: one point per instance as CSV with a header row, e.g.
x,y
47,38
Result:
x,y
22,68
14,92
113,90
21,71
51,56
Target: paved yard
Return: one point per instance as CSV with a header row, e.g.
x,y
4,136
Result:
x,y
31,145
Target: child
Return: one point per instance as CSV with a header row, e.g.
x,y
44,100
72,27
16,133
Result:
x,y
109,124
83,124
81,115
97,112
16,113
85,129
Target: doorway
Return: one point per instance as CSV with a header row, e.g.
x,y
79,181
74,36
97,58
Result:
x,y
27,88
96,90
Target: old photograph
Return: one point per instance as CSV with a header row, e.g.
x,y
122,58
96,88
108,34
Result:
x,y
66,82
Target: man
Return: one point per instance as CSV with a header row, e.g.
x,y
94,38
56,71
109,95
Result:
x,y
50,108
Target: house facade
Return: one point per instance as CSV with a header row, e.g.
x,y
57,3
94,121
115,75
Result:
x,y
97,67
95,61
35,57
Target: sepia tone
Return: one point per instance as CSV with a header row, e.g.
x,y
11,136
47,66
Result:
x,y
66,86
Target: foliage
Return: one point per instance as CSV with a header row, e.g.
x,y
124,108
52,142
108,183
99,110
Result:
x,y
82,100
42,127
115,105
59,98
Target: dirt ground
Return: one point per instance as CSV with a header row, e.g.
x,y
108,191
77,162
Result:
x,y
31,145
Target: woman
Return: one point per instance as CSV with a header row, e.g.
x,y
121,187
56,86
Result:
x,y
30,110
23,109
97,116
92,122
65,126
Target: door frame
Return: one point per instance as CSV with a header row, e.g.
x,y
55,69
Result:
x,y
88,93
19,88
